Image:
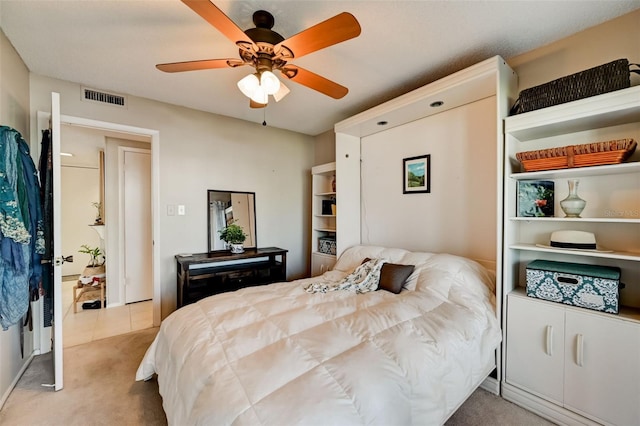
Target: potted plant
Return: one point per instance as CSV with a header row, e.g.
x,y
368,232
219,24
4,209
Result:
x,y
234,236
94,252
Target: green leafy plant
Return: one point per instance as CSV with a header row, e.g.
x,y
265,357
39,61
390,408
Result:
x,y
233,234
95,254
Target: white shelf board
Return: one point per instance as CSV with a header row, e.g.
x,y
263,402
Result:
x,y
578,219
626,313
620,255
325,194
325,229
324,169
317,253
612,169
609,109
324,215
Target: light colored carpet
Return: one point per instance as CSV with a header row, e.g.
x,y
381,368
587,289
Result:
x,y
100,389
483,408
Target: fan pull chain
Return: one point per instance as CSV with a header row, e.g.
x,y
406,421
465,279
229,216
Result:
x,y
264,116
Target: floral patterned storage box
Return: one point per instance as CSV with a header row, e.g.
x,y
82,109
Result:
x,y
587,286
327,245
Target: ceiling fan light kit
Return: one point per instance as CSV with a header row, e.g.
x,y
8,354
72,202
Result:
x,y
248,85
281,93
258,87
269,82
260,96
267,51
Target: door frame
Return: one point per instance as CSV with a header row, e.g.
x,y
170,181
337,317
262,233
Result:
x,y
121,219
124,130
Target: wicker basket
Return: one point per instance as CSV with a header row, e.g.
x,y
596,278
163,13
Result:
x,y
594,81
566,157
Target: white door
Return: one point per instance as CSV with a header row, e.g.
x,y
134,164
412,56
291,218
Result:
x,y
321,263
535,347
136,208
602,370
57,241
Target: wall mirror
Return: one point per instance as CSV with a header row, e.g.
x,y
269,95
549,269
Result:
x,y
227,207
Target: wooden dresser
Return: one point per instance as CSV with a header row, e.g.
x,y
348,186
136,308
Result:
x,y
204,274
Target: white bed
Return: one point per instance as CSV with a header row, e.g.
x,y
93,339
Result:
x,y
277,355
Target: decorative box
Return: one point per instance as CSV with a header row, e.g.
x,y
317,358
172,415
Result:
x,y
604,78
587,286
584,155
327,245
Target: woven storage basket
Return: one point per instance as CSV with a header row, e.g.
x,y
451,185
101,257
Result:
x,y
594,81
566,157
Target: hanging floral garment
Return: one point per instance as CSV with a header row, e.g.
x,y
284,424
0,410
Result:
x,y
21,236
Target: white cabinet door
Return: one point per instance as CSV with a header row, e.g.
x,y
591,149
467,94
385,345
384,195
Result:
x,y
535,347
602,369
321,263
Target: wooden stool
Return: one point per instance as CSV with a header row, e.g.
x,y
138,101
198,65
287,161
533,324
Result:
x,y
79,289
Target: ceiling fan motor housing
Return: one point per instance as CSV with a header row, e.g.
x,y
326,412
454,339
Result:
x,y
263,21
264,38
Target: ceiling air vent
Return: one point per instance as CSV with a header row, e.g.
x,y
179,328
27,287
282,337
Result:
x,y
103,97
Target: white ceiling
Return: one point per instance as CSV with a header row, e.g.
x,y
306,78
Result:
x,y
115,45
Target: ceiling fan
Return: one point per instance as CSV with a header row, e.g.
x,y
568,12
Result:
x,y
267,51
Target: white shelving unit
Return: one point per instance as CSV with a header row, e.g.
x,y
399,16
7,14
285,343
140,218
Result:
x,y
322,224
574,365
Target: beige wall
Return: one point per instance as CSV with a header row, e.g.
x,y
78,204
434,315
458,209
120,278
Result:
x,y
200,151
615,39
325,147
80,187
458,215
14,112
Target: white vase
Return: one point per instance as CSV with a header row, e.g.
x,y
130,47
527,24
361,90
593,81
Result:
x,y
573,205
237,248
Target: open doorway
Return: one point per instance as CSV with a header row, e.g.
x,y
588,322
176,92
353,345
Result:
x,y
94,301
43,337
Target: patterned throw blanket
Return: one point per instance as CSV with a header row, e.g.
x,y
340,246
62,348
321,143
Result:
x,y
365,278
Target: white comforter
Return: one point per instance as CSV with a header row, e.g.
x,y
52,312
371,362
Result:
x,y
277,355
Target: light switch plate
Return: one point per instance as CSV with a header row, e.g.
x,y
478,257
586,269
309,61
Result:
x,y
171,210
181,210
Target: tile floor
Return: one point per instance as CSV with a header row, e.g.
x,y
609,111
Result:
x,y
93,324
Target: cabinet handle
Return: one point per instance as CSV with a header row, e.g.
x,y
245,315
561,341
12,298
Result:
x,y
580,350
549,348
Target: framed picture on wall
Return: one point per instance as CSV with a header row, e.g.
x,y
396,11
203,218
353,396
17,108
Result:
x,y
416,174
535,198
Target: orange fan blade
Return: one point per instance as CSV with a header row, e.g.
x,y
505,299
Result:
x,y
210,13
205,64
254,104
334,30
314,81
